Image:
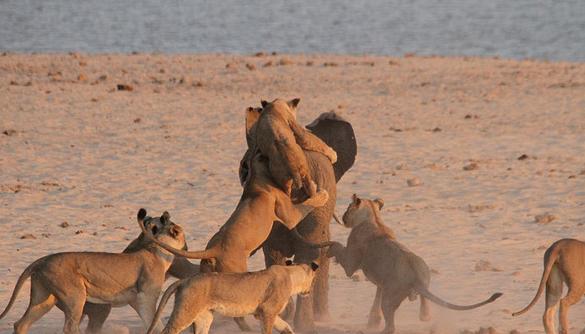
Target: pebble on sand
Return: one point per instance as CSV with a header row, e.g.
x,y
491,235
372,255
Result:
x,y
471,166
483,265
414,182
544,218
125,87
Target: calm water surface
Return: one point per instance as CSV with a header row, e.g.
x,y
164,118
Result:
x,y
543,29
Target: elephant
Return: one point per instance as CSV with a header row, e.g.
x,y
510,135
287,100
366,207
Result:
x,y
314,229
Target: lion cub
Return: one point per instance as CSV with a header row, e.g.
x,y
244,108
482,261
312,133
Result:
x,y
274,131
263,293
564,261
71,279
397,272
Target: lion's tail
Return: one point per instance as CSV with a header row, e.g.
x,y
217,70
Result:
x,y
430,296
552,258
163,302
23,277
205,254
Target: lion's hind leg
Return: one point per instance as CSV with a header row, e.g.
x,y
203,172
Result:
x,y
185,315
375,317
425,309
391,300
72,302
41,302
554,291
573,296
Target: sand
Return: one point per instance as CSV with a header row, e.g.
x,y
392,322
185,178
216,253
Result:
x,y
490,143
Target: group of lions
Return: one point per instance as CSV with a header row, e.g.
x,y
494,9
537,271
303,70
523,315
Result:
x,y
278,187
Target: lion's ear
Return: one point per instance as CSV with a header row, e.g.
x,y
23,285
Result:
x,y
174,231
356,200
293,103
165,218
141,214
252,115
288,262
314,266
379,202
264,103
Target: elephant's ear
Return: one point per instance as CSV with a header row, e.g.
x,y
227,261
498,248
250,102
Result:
x,y
337,133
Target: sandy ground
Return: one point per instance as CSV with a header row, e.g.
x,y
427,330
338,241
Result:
x,y
75,149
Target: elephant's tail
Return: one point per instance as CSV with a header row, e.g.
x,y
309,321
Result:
x,y
337,220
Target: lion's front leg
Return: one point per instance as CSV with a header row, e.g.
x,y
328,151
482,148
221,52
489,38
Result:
x,y
291,214
345,257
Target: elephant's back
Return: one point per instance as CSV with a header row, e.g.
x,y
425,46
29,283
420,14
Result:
x,y
323,174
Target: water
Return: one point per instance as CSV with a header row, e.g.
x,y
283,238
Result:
x,y
542,29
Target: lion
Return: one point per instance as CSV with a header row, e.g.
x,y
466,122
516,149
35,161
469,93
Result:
x,y
564,261
248,227
263,293
70,279
273,130
397,272
180,268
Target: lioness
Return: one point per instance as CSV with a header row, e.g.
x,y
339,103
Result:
x,y
564,261
396,271
261,204
180,268
71,279
274,131
263,293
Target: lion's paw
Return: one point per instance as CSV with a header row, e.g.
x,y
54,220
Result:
x,y
332,155
318,200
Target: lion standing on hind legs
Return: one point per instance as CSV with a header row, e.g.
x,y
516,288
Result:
x,y
397,272
337,133
564,261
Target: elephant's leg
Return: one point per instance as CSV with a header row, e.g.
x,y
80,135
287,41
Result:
x,y
321,289
304,320
314,305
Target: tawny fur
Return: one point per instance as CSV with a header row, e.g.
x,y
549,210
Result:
x,y
274,131
180,268
396,271
264,293
71,279
248,227
564,262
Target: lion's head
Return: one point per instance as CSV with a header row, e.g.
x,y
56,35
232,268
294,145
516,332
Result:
x,y
361,210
